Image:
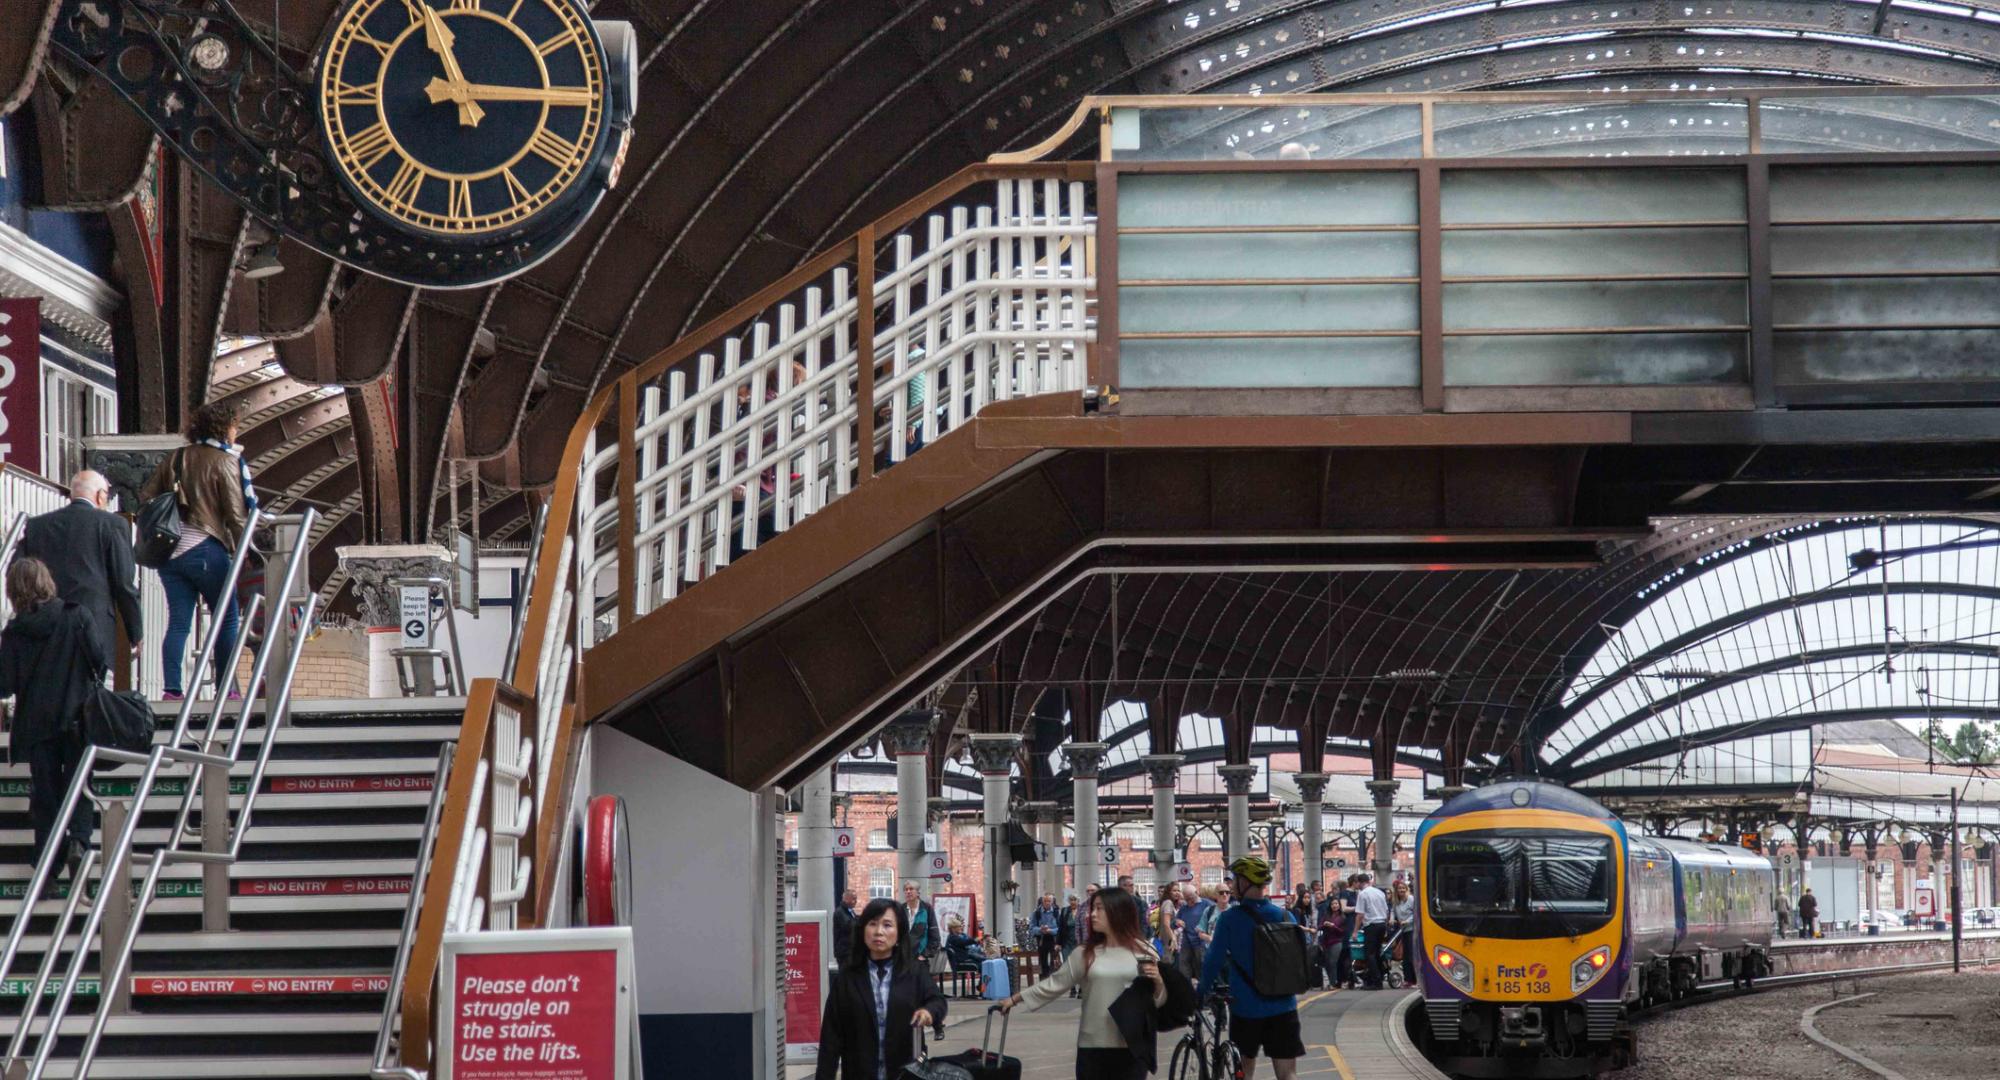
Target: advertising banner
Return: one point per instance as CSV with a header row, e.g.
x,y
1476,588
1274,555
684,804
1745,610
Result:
x,y
807,959
536,1005
21,383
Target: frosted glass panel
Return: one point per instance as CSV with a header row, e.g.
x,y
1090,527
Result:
x,y
1317,131
1555,195
1562,305
1595,359
1273,198
1885,300
1572,129
1839,192
1266,255
1852,249
1905,124
1293,362
1595,251
1860,356
1181,309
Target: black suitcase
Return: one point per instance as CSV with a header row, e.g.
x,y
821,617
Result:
x,y
988,1062
928,1068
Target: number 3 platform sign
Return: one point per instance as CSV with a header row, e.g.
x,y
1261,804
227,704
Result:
x,y
537,1005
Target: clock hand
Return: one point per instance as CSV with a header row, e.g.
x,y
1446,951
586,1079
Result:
x,y
439,90
439,38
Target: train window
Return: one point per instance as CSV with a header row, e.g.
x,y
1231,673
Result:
x,y
1571,876
1521,883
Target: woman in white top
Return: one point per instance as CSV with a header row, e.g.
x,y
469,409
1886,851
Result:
x,y
1115,953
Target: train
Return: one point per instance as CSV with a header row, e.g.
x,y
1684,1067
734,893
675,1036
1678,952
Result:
x,y
1544,922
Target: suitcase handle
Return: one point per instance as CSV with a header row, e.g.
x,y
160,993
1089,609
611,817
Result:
x,y
986,1040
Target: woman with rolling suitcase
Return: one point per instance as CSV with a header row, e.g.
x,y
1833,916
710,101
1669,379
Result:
x,y
1113,954
879,1003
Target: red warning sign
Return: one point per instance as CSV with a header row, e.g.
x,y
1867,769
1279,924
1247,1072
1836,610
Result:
x,y
343,785
206,985
534,1015
350,886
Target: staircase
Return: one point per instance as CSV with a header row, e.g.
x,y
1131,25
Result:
x,y
296,985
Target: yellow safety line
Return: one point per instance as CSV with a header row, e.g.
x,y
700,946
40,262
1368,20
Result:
x,y
1339,1062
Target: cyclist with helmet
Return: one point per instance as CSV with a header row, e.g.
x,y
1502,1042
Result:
x,y
1257,1024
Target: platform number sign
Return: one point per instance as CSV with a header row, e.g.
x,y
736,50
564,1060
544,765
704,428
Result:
x,y
843,843
415,613
937,864
1184,872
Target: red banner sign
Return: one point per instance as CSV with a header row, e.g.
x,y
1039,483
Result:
x,y
348,886
805,971
535,1015
21,383
343,785
203,985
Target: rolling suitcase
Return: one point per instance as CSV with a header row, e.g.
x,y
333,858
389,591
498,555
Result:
x,y
988,1062
994,980
925,1068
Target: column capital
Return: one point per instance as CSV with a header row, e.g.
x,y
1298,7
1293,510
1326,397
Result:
x,y
1237,779
127,461
993,755
910,733
1384,791
374,568
1084,758
1312,786
1039,813
1164,769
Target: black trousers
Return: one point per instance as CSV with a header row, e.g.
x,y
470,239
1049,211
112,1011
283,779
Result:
x,y
51,768
1048,954
1116,1063
1371,953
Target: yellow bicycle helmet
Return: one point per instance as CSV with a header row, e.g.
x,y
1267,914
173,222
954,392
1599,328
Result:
x,y
1252,869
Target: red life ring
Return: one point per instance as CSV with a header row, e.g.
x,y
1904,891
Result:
x,y
607,863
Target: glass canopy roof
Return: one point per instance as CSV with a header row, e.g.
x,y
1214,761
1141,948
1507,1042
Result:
x,y
1790,630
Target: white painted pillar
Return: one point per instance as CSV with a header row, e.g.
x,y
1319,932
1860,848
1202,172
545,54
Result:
x,y
1084,761
994,756
909,739
1312,792
816,843
1385,828
1237,780
1164,770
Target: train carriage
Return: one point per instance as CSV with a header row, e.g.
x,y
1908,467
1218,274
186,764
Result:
x,y
1541,919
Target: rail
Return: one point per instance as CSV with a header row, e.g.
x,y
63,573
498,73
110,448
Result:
x,y
121,855
382,1067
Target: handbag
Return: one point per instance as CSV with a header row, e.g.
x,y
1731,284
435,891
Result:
x,y
159,523
116,720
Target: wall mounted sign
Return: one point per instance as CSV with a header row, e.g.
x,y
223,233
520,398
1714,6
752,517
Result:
x,y
808,960
536,1005
21,383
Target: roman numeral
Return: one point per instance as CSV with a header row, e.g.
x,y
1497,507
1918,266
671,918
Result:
x,y
380,46
370,145
515,10
556,149
464,5
347,94
560,41
515,188
403,187
461,198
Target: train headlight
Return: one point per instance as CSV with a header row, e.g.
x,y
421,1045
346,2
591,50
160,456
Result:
x,y
1589,967
1455,967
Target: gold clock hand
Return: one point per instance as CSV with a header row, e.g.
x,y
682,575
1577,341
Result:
x,y
440,90
439,38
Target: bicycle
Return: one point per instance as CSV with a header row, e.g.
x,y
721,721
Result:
x,y
1205,1052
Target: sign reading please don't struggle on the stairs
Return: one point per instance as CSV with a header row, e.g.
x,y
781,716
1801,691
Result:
x,y
536,1005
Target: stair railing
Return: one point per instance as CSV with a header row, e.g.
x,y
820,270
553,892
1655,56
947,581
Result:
x,y
381,1068
976,291
120,856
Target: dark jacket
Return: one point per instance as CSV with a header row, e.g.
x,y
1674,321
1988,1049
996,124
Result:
x,y
89,553
48,661
843,931
1066,934
1808,906
926,938
211,491
847,1028
1140,1021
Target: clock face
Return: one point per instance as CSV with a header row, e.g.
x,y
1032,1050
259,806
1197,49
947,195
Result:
x,y
465,118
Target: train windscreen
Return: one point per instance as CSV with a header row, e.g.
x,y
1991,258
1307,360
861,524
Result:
x,y
1521,883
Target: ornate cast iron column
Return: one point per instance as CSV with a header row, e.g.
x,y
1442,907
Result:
x,y
1084,761
1312,792
909,739
993,756
1237,779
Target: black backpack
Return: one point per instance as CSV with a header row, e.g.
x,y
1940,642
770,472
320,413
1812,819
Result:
x,y
1280,957
159,523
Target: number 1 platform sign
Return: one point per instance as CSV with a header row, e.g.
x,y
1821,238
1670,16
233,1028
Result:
x,y
537,1005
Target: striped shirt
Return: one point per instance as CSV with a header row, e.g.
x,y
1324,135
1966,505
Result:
x,y
881,972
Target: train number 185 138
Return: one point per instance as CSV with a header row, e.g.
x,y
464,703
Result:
x,y
1519,986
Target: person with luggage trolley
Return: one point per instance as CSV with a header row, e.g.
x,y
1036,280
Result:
x,y
879,1004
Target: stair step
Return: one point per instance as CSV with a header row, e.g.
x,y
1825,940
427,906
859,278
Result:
x,y
236,984
243,1068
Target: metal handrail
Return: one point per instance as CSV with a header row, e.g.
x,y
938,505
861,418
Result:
x,y
118,856
541,524
392,1005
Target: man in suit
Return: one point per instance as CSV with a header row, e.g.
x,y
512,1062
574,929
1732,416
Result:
x,y
88,550
843,925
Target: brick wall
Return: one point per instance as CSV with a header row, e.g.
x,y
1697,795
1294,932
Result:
x,y
334,665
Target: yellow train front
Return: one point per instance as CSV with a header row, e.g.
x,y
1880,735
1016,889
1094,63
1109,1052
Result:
x,y
1541,923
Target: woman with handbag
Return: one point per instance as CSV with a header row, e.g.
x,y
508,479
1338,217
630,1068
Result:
x,y
50,660
879,1003
1111,958
216,502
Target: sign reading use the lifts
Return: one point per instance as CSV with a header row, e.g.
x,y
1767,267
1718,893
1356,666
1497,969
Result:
x,y
537,1005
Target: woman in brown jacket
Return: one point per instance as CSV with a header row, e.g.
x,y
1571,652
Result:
x,y
216,503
